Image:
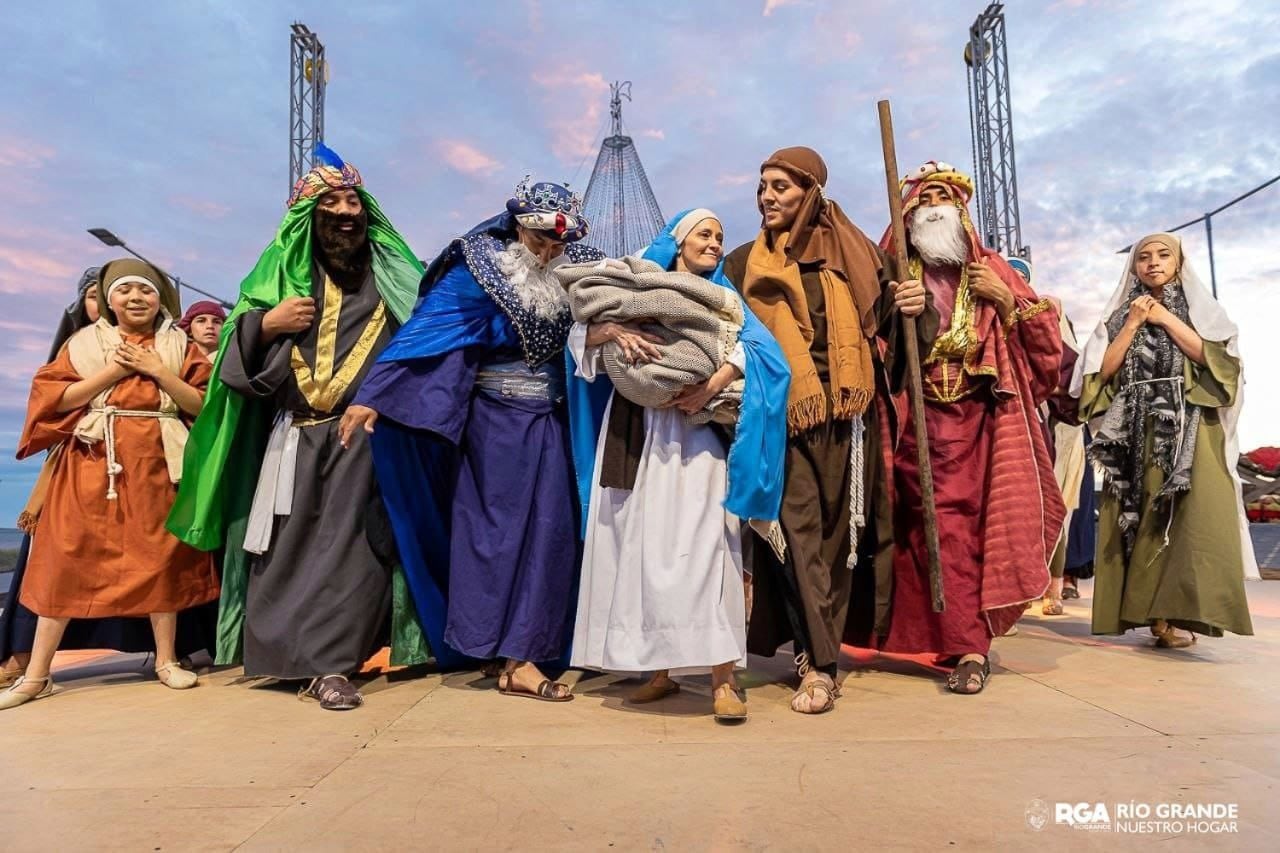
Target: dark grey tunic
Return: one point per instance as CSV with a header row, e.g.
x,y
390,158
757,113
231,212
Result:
x,y
318,600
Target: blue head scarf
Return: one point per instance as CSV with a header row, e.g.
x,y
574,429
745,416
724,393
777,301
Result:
x,y
756,457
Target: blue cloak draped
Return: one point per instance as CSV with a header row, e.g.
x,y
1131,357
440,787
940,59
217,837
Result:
x,y
757,454
423,388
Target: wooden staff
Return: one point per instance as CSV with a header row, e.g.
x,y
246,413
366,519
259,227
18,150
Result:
x,y
913,363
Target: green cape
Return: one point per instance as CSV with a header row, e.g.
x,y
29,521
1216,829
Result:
x,y
224,451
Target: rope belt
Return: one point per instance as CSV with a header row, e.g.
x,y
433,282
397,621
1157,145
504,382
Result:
x,y
111,413
857,488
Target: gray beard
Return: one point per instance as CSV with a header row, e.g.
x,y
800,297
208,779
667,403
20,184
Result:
x,y
938,235
535,285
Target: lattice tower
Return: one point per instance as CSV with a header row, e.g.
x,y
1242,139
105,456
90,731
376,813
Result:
x,y
991,123
619,203
308,75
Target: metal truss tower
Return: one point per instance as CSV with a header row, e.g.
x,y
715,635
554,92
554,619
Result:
x,y
619,202
991,122
308,74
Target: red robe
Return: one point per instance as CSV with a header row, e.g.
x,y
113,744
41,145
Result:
x,y
999,508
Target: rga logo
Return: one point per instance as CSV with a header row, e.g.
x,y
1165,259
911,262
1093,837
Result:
x,y
1037,814
1089,816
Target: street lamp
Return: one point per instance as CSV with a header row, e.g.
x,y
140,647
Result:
x,y
107,238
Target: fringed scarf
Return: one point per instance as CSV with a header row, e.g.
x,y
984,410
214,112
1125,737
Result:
x,y
775,293
1151,388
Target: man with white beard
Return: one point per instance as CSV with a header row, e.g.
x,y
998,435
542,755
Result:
x,y
470,437
995,359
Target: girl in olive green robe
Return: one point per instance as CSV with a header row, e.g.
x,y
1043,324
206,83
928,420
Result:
x,y
1160,380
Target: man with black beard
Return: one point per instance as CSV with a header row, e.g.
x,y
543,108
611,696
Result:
x,y
995,359
312,598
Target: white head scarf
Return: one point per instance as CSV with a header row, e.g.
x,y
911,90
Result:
x,y
690,221
1211,323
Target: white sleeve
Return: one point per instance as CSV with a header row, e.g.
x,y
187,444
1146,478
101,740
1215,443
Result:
x,y
738,358
587,358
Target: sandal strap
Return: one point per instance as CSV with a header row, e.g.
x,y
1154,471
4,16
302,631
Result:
x,y
547,689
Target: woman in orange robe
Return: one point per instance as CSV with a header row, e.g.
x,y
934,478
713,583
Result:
x,y
114,406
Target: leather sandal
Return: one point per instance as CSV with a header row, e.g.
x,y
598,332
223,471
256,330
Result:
x,y
1169,638
547,690
333,692
970,667
9,676
822,692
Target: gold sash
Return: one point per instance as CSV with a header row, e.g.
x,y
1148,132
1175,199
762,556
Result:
x,y
321,386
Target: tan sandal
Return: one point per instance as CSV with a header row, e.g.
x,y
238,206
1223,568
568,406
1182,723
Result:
x,y
823,684
1051,607
1169,638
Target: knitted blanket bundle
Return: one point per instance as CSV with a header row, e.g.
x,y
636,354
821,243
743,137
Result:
x,y
698,321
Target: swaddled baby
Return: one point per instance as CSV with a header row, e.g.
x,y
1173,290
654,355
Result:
x,y
698,321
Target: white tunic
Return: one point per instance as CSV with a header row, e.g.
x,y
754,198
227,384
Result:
x,y
662,567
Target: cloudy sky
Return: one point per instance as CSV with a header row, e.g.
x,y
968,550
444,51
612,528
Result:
x,y
168,123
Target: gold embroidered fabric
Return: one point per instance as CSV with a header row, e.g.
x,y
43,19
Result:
x,y
321,386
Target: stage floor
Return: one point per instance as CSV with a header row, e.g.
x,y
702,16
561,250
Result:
x,y
117,761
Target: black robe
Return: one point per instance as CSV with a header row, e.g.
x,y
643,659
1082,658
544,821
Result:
x,y
319,599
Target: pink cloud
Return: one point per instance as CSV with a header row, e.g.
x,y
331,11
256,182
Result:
x,y
771,6
654,133
466,158
735,180
200,206
24,263
19,153
577,99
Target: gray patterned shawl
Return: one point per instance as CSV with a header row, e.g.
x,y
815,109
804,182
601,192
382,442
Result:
x,y
1151,389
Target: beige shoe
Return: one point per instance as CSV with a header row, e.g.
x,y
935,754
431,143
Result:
x,y
727,707
11,698
175,677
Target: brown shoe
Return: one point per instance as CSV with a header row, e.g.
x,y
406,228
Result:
x,y
1169,638
727,707
653,692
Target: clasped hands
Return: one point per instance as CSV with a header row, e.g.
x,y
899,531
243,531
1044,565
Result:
x,y
133,358
641,347
1146,309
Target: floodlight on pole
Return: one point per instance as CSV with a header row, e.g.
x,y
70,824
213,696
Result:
x,y
108,238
